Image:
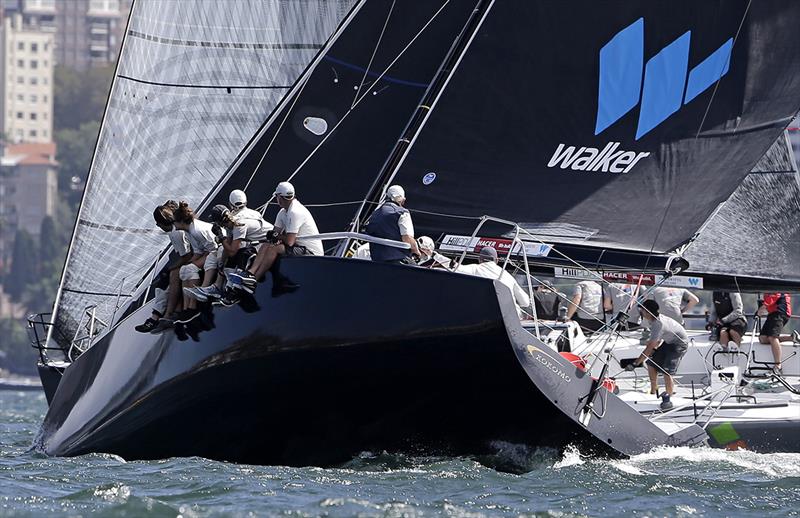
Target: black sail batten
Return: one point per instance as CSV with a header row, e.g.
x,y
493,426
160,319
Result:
x,y
753,242
366,89
525,131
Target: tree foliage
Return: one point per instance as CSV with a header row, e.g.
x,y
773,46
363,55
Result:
x,y
23,265
79,96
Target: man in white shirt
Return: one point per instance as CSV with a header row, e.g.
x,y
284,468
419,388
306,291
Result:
x,y
487,267
292,226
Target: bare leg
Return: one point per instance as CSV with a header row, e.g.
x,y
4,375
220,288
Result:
x,y
262,252
174,291
736,337
268,260
775,343
668,384
190,303
724,338
653,374
208,277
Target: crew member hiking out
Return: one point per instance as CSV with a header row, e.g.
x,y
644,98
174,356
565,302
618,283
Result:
x,y
392,221
488,268
293,225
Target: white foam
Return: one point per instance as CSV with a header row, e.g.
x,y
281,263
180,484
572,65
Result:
x,y
772,464
571,457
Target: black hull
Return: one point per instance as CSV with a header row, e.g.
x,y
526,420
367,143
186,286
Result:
x,y
363,356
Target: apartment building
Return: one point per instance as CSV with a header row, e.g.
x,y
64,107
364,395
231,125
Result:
x,y
87,32
26,96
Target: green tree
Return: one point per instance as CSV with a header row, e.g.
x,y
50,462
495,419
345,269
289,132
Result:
x,y
16,354
49,243
75,148
79,96
23,265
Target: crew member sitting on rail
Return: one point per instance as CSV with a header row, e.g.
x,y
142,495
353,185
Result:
x,y
168,282
671,301
728,316
293,223
668,343
428,256
206,255
244,229
587,306
487,267
392,221
778,307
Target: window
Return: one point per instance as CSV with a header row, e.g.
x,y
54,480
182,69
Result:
x,y
20,133
20,97
20,45
44,98
21,63
34,47
20,115
45,80
32,133
34,98
33,116
34,81
20,80
34,63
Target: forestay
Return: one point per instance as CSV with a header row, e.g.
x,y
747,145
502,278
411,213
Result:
x,y
195,81
618,126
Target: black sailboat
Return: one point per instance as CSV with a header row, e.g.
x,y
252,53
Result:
x,y
596,130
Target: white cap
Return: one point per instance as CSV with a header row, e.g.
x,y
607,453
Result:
x,y
395,192
237,199
284,190
426,243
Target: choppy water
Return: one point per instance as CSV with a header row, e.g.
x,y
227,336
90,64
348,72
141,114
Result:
x,y
667,482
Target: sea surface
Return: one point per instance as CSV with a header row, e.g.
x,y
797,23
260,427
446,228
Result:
x,y
665,482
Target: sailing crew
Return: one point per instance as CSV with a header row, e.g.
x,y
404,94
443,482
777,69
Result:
x,y
205,255
671,301
623,301
587,307
428,256
728,316
778,307
292,226
392,221
487,267
546,300
168,283
244,230
665,349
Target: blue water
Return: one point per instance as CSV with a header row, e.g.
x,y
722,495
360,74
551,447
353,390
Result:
x,y
666,482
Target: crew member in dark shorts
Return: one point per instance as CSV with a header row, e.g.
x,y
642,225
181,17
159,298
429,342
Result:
x,y
778,307
729,317
293,227
668,343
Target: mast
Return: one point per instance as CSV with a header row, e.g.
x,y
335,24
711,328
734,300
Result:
x,y
417,121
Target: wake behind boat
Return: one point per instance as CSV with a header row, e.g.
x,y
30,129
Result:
x,y
462,103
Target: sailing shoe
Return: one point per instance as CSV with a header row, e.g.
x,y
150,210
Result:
x,y
180,332
212,292
195,293
148,326
796,337
666,404
187,315
244,281
162,325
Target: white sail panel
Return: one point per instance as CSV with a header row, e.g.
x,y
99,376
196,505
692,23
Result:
x,y
196,79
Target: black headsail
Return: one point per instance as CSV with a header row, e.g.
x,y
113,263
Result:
x,y
332,138
607,127
753,241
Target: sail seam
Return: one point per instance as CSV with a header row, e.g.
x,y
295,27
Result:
x,y
223,44
221,87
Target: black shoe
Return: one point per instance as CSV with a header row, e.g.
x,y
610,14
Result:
x,y
162,325
180,332
666,404
187,315
148,326
284,287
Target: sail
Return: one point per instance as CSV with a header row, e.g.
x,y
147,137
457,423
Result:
x,y
195,81
756,234
618,127
360,98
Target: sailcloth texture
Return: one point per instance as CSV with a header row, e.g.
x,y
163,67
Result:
x,y
195,81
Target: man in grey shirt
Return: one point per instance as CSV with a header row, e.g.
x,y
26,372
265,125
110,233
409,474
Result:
x,y
668,343
587,306
671,301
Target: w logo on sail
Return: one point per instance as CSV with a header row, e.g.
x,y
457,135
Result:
x,y
666,86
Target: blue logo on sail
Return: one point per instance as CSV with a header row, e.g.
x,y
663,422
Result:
x,y
666,86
